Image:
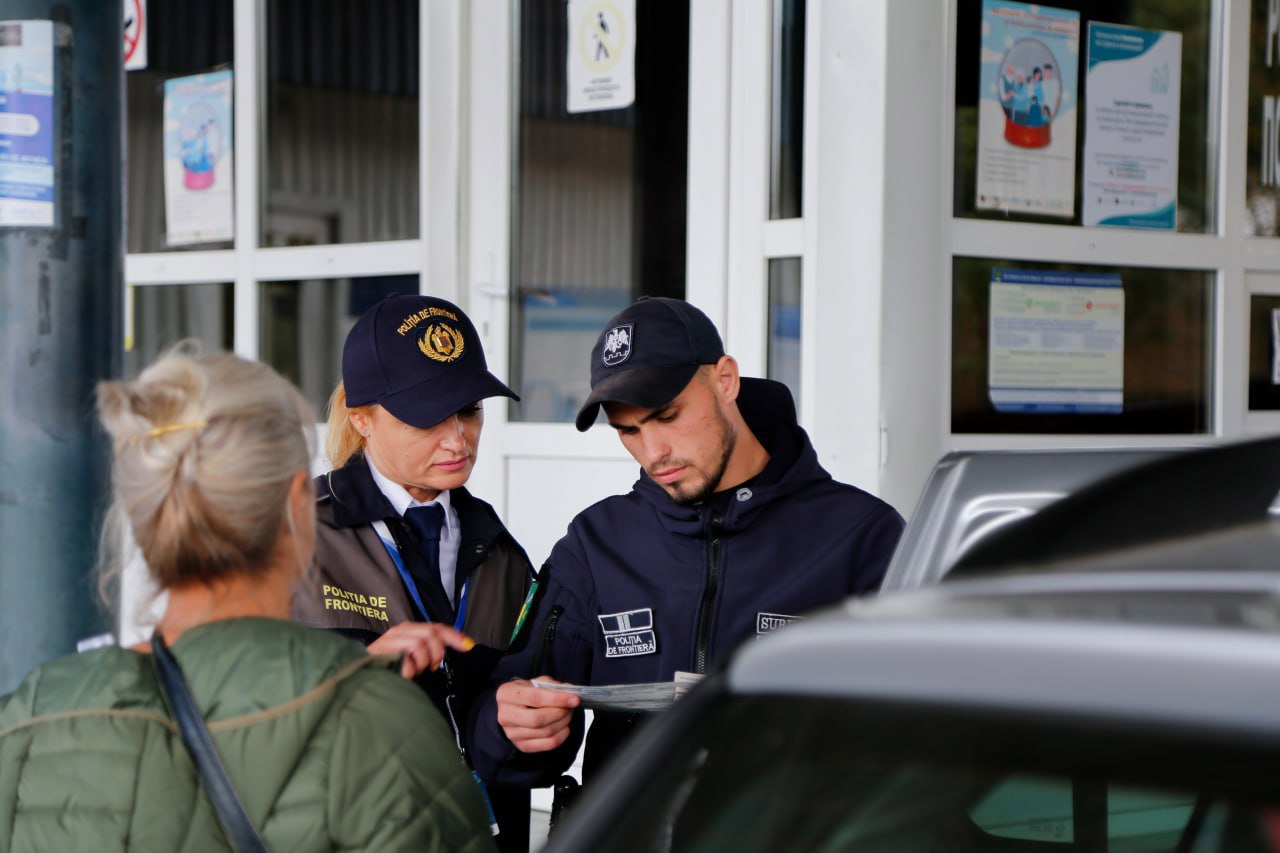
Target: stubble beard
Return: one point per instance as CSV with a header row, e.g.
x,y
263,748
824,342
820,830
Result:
x,y
693,494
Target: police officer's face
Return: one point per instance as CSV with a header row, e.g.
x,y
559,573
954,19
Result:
x,y
424,461
684,446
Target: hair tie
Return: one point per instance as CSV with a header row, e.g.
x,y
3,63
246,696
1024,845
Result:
x,y
167,428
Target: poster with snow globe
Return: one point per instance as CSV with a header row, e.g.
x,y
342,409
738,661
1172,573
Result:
x,y
1027,109
197,159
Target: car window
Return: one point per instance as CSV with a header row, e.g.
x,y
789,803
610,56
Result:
x,y
796,773
1041,808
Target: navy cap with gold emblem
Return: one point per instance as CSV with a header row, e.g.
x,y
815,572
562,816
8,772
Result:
x,y
420,358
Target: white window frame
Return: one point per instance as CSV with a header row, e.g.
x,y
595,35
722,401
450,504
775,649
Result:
x,y
433,256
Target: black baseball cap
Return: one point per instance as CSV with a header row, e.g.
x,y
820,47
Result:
x,y
647,354
419,357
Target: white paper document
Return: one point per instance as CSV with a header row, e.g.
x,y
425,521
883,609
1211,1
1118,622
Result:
x,y
652,696
1133,92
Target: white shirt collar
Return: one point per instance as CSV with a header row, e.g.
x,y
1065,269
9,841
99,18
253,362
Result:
x,y
400,499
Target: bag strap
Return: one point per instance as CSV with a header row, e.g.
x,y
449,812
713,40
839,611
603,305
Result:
x,y
233,818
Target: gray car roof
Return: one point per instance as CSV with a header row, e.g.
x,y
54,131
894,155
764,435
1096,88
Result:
x,y
971,494
1183,649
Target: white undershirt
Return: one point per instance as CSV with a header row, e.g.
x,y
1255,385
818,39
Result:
x,y
450,534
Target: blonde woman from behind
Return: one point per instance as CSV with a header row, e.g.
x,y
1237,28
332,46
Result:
x,y
327,746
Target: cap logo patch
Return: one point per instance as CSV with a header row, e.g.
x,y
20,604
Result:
x,y
617,345
442,342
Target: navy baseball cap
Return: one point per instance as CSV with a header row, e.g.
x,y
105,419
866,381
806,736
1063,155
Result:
x,y
647,354
419,357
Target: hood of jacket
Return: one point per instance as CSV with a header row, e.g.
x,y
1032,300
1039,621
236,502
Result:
x,y
770,414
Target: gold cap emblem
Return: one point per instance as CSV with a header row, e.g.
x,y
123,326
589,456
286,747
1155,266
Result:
x,y
442,343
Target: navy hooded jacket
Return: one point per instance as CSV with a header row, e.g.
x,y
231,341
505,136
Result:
x,y
640,587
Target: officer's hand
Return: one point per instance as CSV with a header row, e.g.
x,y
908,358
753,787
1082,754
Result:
x,y
534,719
423,645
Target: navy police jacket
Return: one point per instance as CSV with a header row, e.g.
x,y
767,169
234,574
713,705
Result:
x,y
641,588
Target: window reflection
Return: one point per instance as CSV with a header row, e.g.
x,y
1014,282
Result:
x,y
786,138
1264,352
1262,175
599,202
159,316
784,323
304,324
341,152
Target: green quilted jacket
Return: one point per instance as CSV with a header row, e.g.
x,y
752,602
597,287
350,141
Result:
x,y
329,748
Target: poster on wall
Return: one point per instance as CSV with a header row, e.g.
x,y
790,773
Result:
x,y
27,173
1056,342
135,35
601,55
197,159
1027,109
1132,87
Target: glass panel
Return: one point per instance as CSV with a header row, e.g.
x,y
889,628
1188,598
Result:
x,y
1264,351
184,37
786,131
341,155
161,315
1074,346
1262,203
805,773
599,202
1196,168
784,323
304,324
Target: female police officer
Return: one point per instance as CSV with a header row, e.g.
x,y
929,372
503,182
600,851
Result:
x,y
407,560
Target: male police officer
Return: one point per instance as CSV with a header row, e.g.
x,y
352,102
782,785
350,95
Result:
x,y
732,530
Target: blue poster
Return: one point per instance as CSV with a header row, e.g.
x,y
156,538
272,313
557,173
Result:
x,y
26,123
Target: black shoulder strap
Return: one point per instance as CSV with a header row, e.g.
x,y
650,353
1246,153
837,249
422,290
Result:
x,y
235,821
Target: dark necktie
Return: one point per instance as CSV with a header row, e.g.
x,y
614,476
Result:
x,y
426,522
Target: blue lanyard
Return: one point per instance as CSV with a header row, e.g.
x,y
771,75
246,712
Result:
x,y
413,587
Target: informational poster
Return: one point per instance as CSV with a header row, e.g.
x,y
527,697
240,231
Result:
x,y
135,34
197,159
27,139
1132,89
1027,109
1056,342
601,60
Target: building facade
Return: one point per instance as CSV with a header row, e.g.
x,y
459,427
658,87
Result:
x,y
856,192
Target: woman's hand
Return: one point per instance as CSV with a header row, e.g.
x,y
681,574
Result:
x,y
423,645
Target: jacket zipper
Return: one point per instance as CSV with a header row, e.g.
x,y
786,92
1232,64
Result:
x,y
548,634
714,529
